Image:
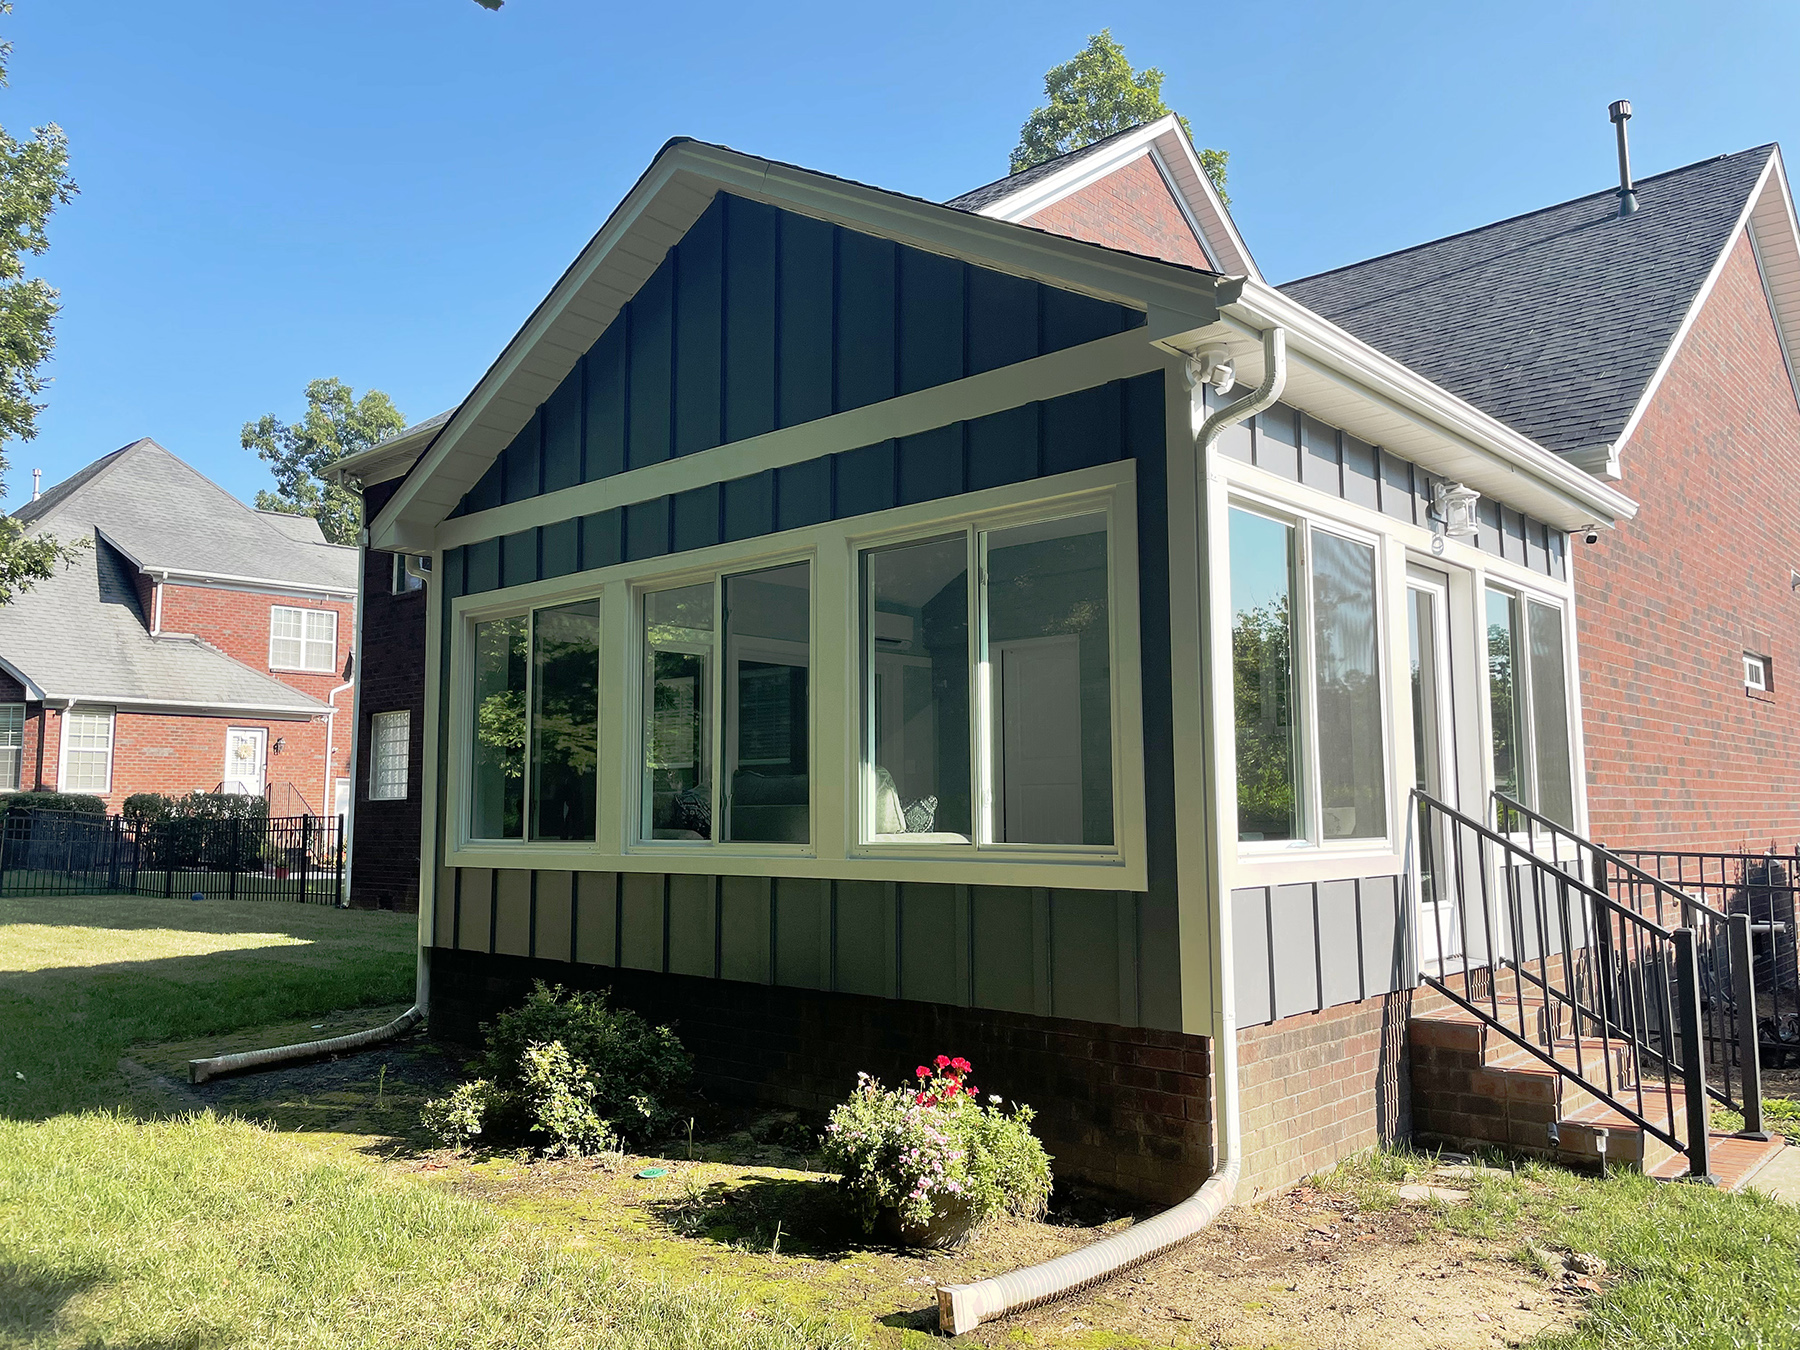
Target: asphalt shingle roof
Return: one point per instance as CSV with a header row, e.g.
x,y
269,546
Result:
x,y
166,514
83,634
1553,322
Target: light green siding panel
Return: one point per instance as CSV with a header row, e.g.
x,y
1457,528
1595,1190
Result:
x,y
693,916
864,929
1126,909
596,917
744,916
512,913
641,924
929,939
443,919
551,939
475,906
1003,953
1159,964
1084,955
802,917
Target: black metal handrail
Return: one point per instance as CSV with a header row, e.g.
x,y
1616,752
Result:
x,y
1723,1028
1615,995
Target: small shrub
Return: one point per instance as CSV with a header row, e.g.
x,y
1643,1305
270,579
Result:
x,y
147,806
909,1149
458,1118
569,1073
78,802
559,1099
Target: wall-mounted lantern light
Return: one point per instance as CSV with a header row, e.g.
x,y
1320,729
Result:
x,y
1453,505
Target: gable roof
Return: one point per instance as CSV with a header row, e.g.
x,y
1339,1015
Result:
x,y
655,214
166,516
82,635
388,458
1021,196
1558,322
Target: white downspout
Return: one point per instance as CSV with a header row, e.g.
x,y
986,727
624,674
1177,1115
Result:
x,y
963,1307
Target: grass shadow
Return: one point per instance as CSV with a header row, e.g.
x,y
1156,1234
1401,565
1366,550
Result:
x,y
792,1216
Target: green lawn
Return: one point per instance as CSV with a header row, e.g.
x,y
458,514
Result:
x,y
1687,1265
122,1227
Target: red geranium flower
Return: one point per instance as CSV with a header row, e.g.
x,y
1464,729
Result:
x,y
943,1061
924,1072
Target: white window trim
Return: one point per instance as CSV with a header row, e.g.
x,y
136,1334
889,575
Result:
x,y
835,851
1314,843
330,668
376,722
7,710
62,749
1757,666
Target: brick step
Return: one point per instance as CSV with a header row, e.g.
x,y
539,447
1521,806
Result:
x,y
1734,1160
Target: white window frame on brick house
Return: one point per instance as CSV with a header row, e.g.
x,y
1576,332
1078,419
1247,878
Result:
x,y
1756,674
390,753
90,724
12,745
306,642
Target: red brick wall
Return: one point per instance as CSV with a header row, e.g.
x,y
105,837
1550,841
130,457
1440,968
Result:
x,y
1132,209
1678,754
237,623
385,871
1317,1088
162,752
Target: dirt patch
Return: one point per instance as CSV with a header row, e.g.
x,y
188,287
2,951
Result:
x,y
1308,1268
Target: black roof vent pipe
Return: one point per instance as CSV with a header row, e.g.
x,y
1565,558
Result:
x,y
1620,113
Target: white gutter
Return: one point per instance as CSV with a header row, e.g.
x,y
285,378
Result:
x,y
356,674
327,794
963,1307
288,713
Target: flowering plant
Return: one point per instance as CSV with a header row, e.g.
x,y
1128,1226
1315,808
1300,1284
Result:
x,y
920,1148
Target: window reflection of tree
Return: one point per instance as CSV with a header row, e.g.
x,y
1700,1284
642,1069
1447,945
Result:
x,y
1262,656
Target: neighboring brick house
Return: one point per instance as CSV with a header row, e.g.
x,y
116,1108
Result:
x,y
195,644
385,808
1656,350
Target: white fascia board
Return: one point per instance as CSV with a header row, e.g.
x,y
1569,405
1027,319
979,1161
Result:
x,y
1342,380
223,581
1775,238
379,463
195,708
1169,149
652,218
1693,311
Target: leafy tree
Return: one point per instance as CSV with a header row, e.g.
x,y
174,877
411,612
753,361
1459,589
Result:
x,y
34,181
337,423
1093,95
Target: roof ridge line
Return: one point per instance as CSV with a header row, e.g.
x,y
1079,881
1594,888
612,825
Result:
x,y
1522,215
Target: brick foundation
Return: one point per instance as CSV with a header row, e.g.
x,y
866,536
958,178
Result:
x,y
1321,1086
1121,1109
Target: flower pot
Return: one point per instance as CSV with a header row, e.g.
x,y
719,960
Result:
x,y
953,1219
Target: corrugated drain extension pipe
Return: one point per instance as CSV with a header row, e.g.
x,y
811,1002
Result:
x,y
199,1070
963,1307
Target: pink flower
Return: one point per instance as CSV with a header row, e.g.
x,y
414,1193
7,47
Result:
x,y
943,1061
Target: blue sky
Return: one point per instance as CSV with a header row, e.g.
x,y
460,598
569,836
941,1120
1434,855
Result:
x,y
381,190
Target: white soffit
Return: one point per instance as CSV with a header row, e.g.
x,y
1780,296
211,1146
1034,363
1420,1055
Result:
x,y
1341,380
658,211
1776,237
1168,147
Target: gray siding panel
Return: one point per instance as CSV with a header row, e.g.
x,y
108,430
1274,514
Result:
x,y
1293,931
1006,974
641,919
1383,936
693,934
552,910
744,929
928,944
1250,955
1084,937
1340,951
864,927
597,918
802,919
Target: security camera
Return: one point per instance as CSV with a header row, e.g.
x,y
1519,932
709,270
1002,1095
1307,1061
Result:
x,y
1591,535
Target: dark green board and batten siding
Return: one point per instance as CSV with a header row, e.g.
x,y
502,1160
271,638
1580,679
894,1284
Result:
x,y
761,319
1053,953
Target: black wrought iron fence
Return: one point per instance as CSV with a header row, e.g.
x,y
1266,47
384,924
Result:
x,y
298,858
1763,887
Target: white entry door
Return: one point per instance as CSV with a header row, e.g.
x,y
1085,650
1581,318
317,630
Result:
x,y
1434,760
246,760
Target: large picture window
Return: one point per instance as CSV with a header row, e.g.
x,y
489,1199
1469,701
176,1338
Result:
x,y
534,756
988,687
1306,683
727,682
1528,704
